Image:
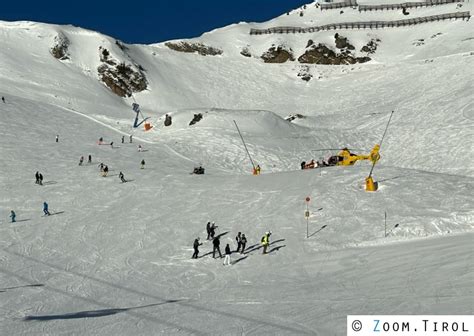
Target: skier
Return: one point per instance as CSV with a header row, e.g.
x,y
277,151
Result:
x,y
303,165
105,171
40,179
195,246
112,144
13,216
238,238
90,159
130,138
208,229
212,230
101,167
266,241
216,243
227,255
57,138
142,164
122,178
81,160
101,140
140,148
3,99
45,209
123,138
243,242
37,178
258,169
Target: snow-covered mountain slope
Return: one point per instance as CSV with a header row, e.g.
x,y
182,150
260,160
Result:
x,y
115,258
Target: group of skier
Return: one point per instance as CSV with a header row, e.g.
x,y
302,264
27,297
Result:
x,y
39,178
241,240
89,160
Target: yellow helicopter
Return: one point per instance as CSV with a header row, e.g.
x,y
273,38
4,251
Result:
x,y
344,158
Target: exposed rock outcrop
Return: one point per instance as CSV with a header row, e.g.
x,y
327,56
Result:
x,y
342,42
123,79
305,73
279,54
322,54
246,52
371,46
197,117
200,48
60,47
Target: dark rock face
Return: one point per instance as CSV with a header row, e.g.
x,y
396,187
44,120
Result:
x,y
322,54
123,79
200,48
245,52
197,117
277,55
371,46
342,43
60,48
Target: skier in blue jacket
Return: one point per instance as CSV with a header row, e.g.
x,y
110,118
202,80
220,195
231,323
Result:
x,y
45,209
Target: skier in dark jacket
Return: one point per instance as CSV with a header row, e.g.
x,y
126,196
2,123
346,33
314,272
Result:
x,y
238,238
243,242
196,246
121,177
212,230
37,178
90,159
208,230
40,179
142,164
216,247
13,216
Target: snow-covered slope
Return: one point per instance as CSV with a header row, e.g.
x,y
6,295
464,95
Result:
x,y
115,259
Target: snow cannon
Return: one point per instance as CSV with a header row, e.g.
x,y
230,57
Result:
x,y
370,185
147,126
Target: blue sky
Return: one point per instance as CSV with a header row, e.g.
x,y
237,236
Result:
x,y
147,21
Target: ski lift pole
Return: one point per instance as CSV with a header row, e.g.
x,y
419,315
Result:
x,y
380,145
253,165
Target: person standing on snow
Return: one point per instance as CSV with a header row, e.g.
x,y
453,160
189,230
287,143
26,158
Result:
x,y
101,167
81,160
266,241
3,99
208,230
121,177
130,138
57,138
123,138
45,209
243,242
216,247
227,255
196,246
37,178
142,164
13,216
40,179
238,238
105,171
212,230
90,159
